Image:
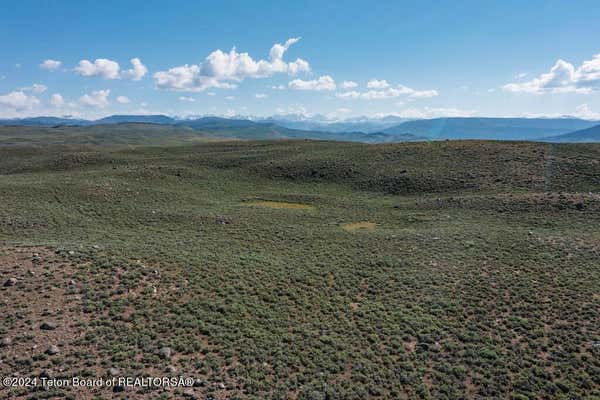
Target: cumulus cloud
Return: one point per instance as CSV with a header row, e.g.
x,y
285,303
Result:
x,y
563,77
385,91
18,101
224,70
261,96
109,69
123,100
137,71
36,88
50,65
102,67
56,100
324,82
188,99
98,98
378,84
348,84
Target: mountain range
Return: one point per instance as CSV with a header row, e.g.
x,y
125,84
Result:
x,y
369,130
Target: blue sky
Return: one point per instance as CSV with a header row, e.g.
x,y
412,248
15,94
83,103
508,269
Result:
x,y
509,58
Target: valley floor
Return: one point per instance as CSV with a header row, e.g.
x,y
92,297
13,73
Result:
x,y
304,270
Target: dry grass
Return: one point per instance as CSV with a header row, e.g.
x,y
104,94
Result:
x,y
359,226
281,205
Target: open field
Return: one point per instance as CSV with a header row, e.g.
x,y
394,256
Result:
x,y
304,270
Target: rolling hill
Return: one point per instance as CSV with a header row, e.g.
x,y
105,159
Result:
x,y
383,130
117,134
300,269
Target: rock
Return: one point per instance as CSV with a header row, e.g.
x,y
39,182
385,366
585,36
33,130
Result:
x,y
48,326
199,383
36,259
189,393
10,282
165,352
52,350
71,252
5,342
171,369
114,371
118,388
221,385
72,282
46,374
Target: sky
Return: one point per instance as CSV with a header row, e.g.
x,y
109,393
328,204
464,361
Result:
x,y
335,59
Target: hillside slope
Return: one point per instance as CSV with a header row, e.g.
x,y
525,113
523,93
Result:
x,y
161,134
303,270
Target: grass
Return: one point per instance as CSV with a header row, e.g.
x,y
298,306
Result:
x,y
280,205
480,281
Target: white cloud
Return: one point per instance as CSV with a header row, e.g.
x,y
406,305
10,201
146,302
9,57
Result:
x,y
109,69
102,67
583,111
222,70
387,92
210,93
353,94
348,84
563,78
98,98
50,65
18,101
324,82
229,97
428,112
521,75
378,84
123,100
36,88
188,99
56,100
278,87
261,96
137,71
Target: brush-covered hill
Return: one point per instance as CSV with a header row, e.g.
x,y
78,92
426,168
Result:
x,y
301,269
120,133
490,128
98,135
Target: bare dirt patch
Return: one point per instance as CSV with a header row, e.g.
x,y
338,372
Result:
x,y
359,226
